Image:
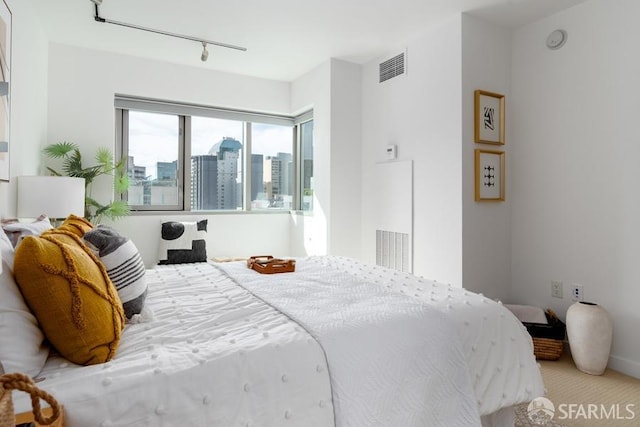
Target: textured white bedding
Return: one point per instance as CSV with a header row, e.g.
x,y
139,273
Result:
x,y
497,348
393,361
215,355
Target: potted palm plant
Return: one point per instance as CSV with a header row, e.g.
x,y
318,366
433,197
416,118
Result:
x,y
71,157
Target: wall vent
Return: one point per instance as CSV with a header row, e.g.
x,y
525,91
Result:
x,y
393,67
393,250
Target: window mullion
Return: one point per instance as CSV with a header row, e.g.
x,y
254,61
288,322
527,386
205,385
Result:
x,y
297,167
246,164
184,163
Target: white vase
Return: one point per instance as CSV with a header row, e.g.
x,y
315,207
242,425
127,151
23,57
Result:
x,y
590,330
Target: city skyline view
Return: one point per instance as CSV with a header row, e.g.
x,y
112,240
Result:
x,y
156,137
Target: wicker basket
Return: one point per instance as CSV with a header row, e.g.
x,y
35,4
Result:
x,y
24,383
548,339
547,348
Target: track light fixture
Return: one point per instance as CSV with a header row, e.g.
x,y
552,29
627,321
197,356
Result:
x,y
205,52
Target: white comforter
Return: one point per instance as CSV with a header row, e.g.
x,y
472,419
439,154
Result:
x,y
213,355
393,361
497,348
216,355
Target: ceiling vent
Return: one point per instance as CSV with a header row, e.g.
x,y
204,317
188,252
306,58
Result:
x,y
393,67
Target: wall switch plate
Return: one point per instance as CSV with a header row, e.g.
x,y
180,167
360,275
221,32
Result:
x,y
556,289
577,293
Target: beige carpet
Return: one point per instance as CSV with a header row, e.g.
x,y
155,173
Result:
x,y
612,396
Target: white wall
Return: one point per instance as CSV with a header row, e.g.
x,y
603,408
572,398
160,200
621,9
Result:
x,y
421,114
309,232
486,226
28,100
333,90
82,84
574,165
346,175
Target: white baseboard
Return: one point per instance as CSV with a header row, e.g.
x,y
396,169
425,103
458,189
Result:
x,y
626,366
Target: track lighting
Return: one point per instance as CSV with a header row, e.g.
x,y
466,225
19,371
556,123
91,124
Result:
x,y
205,53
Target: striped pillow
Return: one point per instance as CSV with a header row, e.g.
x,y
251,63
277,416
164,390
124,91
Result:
x,y
124,266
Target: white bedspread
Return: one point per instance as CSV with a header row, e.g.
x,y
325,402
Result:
x,y
213,356
393,361
497,347
216,355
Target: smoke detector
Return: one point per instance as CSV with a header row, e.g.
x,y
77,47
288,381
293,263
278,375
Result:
x,y
556,39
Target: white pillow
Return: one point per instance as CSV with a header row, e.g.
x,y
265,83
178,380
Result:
x,y
22,229
22,347
183,242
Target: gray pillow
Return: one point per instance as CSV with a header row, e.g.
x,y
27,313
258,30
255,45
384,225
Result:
x,y
124,266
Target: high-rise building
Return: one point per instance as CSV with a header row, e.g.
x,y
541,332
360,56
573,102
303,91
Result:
x,y
204,178
134,172
214,177
167,171
278,172
257,181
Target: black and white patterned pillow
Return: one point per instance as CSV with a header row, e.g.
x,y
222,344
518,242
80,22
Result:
x,y
124,266
183,242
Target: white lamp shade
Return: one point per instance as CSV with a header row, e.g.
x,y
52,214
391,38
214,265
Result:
x,y
54,196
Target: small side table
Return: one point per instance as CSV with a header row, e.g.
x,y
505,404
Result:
x,y
27,417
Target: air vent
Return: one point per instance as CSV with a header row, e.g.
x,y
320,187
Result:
x,y
393,67
393,250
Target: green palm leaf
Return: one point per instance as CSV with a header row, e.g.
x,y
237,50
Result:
x,y
72,166
60,149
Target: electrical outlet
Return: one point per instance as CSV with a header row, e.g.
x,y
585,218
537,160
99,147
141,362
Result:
x,y
577,293
556,289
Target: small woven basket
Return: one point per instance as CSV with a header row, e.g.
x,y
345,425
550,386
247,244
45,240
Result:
x,y
548,339
9,382
547,348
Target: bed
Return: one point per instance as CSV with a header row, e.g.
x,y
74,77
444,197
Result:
x,y
335,343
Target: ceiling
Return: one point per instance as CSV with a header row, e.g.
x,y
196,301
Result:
x,y
284,38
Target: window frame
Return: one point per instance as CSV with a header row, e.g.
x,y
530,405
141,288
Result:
x,y
125,103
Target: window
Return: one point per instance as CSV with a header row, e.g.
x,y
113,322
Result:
x,y
271,166
152,166
306,165
216,164
193,158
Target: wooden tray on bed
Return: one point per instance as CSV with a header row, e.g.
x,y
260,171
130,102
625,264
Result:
x,y
266,264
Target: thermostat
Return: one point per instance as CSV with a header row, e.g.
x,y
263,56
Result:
x,y
391,152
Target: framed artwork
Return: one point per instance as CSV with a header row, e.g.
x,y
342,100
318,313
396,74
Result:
x,y
489,117
489,172
5,88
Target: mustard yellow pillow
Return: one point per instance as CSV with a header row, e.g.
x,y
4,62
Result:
x,y
77,225
69,292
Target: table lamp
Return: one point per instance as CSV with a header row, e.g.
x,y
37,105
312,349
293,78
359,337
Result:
x,y
54,196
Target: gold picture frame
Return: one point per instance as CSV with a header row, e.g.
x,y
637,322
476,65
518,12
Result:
x,y
489,117
490,175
